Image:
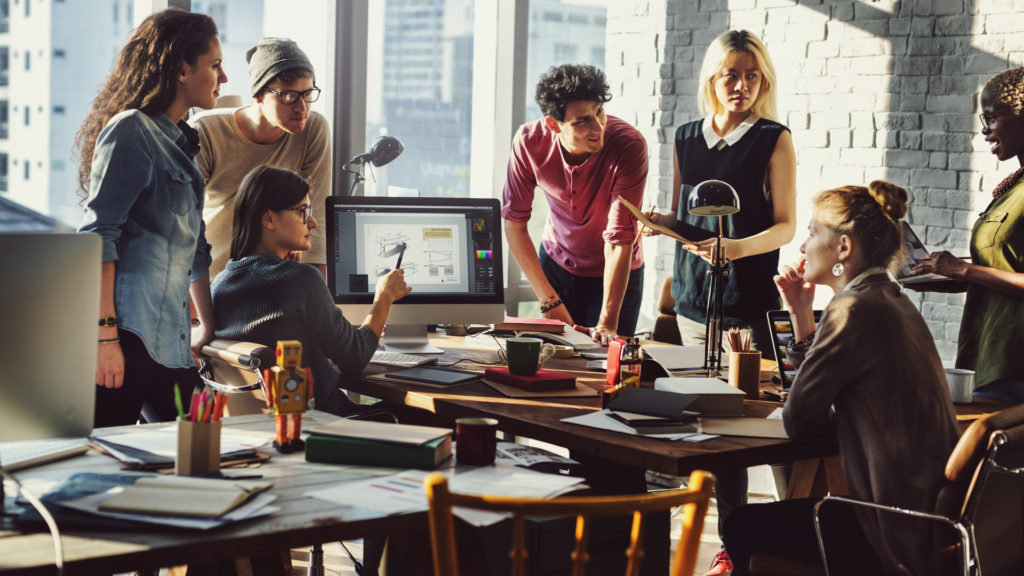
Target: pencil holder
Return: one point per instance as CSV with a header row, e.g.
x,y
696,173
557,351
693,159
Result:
x,y
198,448
745,372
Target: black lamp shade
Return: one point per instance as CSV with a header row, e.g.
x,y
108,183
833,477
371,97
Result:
x,y
384,150
713,198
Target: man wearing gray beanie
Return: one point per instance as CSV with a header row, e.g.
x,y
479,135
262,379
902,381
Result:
x,y
277,129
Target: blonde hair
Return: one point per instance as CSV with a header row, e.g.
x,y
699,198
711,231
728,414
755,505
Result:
x,y
869,215
1007,89
714,58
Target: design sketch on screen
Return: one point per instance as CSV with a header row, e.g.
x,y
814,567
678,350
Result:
x,y
428,254
432,253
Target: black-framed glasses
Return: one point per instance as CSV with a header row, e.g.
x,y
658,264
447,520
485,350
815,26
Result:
x,y
990,118
289,97
304,210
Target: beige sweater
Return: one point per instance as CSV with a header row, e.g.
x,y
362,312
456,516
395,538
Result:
x,y
226,156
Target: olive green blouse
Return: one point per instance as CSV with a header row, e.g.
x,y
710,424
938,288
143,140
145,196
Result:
x,y
992,327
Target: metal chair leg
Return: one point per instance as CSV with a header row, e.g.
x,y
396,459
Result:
x,y
316,561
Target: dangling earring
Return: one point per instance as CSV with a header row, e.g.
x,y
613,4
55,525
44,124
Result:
x,y
838,269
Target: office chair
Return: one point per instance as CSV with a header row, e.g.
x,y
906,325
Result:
x,y
665,327
979,517
694,501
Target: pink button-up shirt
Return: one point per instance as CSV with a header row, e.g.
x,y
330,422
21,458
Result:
x,y
582,200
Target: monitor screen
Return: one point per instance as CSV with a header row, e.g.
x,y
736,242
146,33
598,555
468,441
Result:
x,y
50,302
450,249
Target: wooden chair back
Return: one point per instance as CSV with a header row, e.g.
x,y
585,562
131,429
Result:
x,y
694,500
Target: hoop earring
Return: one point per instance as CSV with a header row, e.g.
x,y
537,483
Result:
x,y
838,269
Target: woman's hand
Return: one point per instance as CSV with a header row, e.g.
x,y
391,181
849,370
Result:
x,y
706,249
110,365
797,295
392,287
667,219
201,336
941,263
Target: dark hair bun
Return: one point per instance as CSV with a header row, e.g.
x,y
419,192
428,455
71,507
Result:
x,y
890,197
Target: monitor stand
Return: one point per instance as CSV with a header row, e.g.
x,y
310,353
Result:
x,y
408,339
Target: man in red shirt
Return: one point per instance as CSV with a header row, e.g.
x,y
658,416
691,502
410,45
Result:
x,y
589,270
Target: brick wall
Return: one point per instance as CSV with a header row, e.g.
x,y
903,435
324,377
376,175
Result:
x,y
870,89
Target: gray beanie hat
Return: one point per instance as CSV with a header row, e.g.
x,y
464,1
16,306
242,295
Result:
x,y
271,56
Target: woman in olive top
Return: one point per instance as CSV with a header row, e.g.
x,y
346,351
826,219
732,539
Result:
x,y
992,326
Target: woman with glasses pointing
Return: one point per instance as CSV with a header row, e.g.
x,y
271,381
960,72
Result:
x,y
278,129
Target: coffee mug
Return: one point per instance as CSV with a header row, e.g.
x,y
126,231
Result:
x,y
961,385
475,440
525,355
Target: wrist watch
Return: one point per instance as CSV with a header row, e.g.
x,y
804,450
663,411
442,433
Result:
x,y
108,321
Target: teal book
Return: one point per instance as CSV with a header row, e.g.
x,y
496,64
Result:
x,y
342,450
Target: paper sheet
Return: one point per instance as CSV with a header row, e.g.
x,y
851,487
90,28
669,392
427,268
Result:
x,y
602,420
647,222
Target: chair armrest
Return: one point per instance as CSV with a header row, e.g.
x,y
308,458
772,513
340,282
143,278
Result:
x,y
958,528
246,355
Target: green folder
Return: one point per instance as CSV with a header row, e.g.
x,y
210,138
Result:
x,y
339,450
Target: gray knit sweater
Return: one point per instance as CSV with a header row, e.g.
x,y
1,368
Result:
x,y
264,299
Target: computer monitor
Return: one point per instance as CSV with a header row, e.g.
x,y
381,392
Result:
x,y
50,304
450,249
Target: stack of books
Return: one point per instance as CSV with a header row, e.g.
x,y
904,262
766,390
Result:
x,y
650,411
514,324
379,444
713,397
541,381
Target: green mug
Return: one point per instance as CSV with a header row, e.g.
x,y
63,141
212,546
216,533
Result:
x,y
525,355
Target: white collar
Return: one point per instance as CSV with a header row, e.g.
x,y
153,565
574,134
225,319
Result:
x,y
718,142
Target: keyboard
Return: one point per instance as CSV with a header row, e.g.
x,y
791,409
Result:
x,y
20,455
400,360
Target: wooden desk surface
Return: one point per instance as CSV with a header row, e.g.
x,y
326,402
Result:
x,y
301,520
540,419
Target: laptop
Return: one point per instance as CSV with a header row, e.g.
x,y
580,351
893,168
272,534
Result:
x,y
49,302
781,326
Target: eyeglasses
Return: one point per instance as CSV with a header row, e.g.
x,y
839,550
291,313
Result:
x,y
988,119
290,97
305,210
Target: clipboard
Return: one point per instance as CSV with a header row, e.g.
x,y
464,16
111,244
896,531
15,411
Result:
x,y
647,222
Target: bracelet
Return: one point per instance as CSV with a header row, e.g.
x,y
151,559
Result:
x,y
108,340
549,307
549,299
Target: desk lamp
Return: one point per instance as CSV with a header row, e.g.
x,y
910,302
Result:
x,y
384,150
714,198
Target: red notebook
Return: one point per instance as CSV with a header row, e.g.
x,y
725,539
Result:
x,y
542,381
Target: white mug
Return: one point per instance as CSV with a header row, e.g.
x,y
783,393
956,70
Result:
x,y
961,385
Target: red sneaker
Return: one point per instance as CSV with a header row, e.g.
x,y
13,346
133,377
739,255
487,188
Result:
x,y
721,565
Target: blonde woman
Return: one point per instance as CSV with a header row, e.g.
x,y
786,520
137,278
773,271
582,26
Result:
x,y
740,142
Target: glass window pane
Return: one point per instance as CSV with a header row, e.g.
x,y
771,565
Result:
x,y
419,89
561,32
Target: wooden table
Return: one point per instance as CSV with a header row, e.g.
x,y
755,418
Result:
x,y
300,522
612,452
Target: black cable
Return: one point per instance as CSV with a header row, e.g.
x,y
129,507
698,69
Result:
x,y
58,544
356,564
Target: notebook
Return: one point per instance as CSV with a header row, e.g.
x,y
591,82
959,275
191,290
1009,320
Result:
x,y
781,327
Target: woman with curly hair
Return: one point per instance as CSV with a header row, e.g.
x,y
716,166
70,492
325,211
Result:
x,y
870,371
144,197
993,321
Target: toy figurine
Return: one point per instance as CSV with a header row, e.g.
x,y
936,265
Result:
x,y
289,390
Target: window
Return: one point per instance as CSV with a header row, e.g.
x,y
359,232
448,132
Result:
x,y
5,64
58,53
27,114
58,110
27,165
28,60
3,172
117,9
3,119
419,89
5,16
564,54
28,12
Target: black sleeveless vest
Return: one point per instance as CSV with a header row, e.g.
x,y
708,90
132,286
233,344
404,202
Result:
x,y
750,291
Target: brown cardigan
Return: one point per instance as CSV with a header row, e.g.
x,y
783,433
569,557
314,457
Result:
x,y
874,360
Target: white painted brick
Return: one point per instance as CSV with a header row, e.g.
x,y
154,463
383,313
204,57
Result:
x,y
906,158
929,178
924,215
898,176
825,49
837,176
747,19
864,47
798,120
830,120
811,138
840,138
863,138
937,160
867,157
1004,23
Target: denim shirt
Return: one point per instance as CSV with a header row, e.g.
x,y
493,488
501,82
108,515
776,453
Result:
x,y
146,202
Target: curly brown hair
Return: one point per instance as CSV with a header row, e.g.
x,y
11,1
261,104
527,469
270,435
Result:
x,y
145,75
1006,89
870,214
569,83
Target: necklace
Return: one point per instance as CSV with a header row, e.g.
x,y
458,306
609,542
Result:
x,y
1008,183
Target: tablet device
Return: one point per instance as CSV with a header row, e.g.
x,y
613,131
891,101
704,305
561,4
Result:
x,y
781,326
434,376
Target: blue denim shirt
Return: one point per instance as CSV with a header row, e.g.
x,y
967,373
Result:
x,y
146,202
